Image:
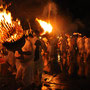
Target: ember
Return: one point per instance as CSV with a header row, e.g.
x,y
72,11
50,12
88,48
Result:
x,y
47,27
9,30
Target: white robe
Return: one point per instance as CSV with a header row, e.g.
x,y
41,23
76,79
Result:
x,y
26,70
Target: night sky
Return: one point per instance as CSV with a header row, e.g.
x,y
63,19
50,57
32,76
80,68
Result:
x,y
77,9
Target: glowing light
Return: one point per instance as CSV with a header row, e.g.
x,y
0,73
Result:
x,y
47,27
58,57
9,30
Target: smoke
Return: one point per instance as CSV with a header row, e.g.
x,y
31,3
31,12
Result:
x,y
46,10
29,8
50,10
65,24
62,23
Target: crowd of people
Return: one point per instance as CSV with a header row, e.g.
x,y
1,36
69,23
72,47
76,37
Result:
x,y
28,61
74,54
25,62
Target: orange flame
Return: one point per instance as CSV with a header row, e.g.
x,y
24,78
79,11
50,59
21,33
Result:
x,y
5,16
9,30
47,27
77,34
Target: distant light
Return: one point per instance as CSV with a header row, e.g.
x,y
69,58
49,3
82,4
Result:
x,y
40,37
58,57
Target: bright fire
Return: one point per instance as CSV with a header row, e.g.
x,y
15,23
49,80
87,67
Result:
x,y
47,27
5,16
9,30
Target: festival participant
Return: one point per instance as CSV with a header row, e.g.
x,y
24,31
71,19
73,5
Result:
x,y
39,64
80,44
69,50
25,64
87,56
48,50
3,65
11,61
87,45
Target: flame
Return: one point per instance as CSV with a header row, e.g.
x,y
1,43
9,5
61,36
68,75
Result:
x,y
9,30
77,34
5,16
47,27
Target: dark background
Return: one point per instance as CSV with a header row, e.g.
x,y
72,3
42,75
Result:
x,y
78,9
75,8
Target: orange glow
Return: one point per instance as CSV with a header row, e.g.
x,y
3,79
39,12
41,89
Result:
x,y
9,30
77,34
47,27
6,16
